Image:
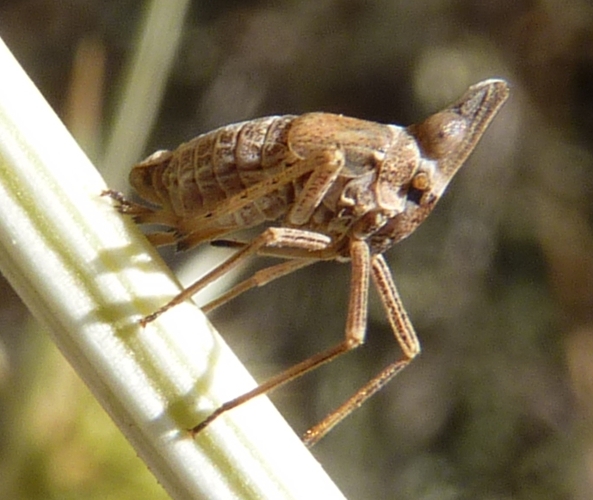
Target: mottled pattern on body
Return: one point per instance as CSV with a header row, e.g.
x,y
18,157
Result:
x,y
333,188
217,166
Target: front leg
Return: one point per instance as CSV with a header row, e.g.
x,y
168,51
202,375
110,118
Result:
x,y
406,338
329,165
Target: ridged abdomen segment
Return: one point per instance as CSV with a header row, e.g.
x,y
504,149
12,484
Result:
x,y
215,166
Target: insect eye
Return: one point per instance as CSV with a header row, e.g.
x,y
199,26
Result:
x,y
441,133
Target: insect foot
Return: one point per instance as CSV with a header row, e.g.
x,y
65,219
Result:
x,y
332,188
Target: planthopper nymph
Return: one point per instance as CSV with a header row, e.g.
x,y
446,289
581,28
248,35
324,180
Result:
x,y
327,187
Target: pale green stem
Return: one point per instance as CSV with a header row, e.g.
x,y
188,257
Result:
x,y
88,275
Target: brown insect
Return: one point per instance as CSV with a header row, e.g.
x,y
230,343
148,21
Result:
x,y
338,188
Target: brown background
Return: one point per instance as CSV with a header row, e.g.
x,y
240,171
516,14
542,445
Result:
x,y
498,281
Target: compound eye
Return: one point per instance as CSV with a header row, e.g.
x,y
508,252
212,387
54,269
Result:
x,y
441,133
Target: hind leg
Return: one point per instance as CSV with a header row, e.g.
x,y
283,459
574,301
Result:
x,y
302,244
143,214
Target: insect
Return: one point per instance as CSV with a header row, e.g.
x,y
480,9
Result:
x,y
332,187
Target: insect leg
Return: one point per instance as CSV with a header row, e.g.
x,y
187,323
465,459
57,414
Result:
x,y
142,214
125,206
260,278
355,331
405,336
316,187
161,238
271,237
199,225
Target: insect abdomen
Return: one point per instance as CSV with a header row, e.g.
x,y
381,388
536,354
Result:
x,y
217,165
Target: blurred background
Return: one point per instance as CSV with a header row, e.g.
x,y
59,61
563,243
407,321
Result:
x,y
498,281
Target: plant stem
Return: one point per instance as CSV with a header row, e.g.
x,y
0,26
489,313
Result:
x,y
88,275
